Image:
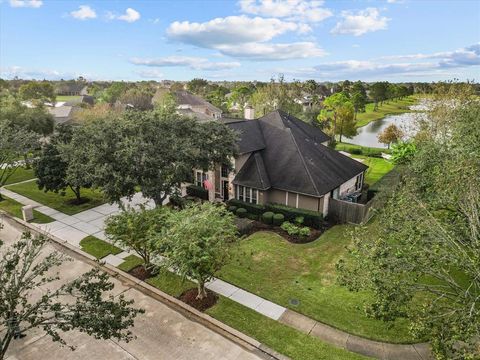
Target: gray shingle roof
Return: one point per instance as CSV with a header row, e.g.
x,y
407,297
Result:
x,y
292,156
186,98
253,173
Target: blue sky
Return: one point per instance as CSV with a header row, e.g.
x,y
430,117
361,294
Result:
x,y
395,40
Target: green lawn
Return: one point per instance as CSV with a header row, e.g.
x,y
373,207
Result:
x,y
14,208
277,336
271,267
21,174
280,337
387,108
377,168
360,150
98,248
130,262
60,98
57,201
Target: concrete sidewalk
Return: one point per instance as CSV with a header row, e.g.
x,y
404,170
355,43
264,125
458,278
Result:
x,y
74,228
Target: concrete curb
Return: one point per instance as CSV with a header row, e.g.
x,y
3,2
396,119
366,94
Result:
x,y
172,302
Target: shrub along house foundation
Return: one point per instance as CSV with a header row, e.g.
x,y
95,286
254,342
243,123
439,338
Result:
x,y
285,161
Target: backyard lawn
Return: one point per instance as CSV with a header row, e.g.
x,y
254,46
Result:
x,y
271,267
21,174
57,201
387,108
61,98
377,168
14,208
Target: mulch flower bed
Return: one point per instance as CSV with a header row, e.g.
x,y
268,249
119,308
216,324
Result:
x,y
140,272
190,297
314,233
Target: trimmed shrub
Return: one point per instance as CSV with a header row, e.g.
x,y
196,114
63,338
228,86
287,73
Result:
x,y
232,209
251,208
310,218
197,191
252,216
294,230
278,219
267,217
299,220
241,212
356,151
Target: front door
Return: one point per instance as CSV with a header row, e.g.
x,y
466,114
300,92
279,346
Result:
x,y
225,190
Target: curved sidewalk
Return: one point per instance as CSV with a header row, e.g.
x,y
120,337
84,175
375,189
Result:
x,y
91,222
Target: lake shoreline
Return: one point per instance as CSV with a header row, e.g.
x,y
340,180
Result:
x,y
396,107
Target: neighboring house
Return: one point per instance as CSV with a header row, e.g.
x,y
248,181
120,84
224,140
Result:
x,y
286,161
189,104
63,114
71,88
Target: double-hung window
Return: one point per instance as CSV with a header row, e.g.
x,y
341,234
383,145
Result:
x,y
246,194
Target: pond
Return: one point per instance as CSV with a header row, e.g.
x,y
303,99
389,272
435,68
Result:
x,y
367,135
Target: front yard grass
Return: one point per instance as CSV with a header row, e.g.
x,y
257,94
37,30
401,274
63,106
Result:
x,y
98,248
377,168
14,208
21,174
390,107
57,201
269,266
280,337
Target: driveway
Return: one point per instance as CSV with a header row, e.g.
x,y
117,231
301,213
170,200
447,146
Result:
x,y
162,333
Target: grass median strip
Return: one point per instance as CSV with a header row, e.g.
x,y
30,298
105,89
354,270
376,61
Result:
x,y
130,262
14,208
63,203
98,248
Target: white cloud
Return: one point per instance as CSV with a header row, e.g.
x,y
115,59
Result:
x,y
84,12
230,30
26,3
131,15
194,63
11,72
361,22
268,51
150,74
245,37
299,10
440,63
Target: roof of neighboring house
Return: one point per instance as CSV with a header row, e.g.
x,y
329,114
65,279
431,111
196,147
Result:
x,y
292,158
193,114
62,114
186,98
70,87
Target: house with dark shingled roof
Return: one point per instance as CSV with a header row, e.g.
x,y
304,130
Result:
x,y
283,160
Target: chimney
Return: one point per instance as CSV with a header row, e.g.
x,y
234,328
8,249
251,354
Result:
x,y
249,113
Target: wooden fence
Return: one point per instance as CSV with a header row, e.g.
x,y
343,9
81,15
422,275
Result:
x,y
348,212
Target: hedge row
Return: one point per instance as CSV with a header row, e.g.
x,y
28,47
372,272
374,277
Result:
x,y
251,208
310,218
197,191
